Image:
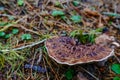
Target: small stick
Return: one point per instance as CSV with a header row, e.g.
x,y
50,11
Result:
x,y
89,73
46,69
117,58
57,78
33,63
29,30
27,46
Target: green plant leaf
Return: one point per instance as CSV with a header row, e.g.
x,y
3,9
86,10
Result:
x,y
26,37
116,78
7,36
2,34
110,22
57,13
76,18
91,38
20,2
15,31
64,18
78,34
116,68
57,3
69,74
73,33
75,3
3,23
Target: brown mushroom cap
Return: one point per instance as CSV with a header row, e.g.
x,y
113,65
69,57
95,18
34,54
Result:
x,y
64,50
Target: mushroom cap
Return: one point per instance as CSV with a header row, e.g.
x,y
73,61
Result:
x,y
65,50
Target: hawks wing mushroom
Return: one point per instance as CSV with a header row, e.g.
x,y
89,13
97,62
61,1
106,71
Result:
x,y
64,50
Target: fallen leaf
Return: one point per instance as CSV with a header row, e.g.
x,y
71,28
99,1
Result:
x,y
90,12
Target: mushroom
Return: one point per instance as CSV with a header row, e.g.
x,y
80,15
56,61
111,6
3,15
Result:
x,y
66,50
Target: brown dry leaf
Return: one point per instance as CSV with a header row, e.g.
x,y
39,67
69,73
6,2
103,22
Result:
x,y
87,23
106,18
80,76
91,12
100,25
103,39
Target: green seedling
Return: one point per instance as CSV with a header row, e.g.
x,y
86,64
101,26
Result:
x,y
76,3
20,2
78,34
57,3
26,37
86,37
3,24
57,13
7,36
2,34
76,18
15,31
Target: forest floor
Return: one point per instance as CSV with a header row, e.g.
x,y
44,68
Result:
x,y
26,24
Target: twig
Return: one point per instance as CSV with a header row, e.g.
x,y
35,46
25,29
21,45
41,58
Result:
x,y
37,2
48,1
40,56
6,15
33,63
116,26
27,46
117,58
57,78
46,69
29,30
89,73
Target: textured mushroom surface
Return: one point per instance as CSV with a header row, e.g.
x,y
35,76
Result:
x,y
65,50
